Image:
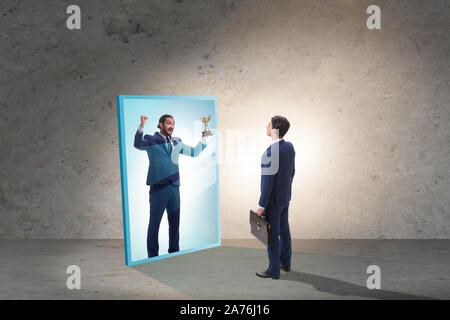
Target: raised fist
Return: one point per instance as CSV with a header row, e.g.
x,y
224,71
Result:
x,y
143,120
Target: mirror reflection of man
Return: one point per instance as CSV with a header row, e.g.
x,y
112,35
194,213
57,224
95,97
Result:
x,y
163,178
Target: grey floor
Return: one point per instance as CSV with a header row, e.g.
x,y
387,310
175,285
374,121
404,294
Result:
x,y
322,269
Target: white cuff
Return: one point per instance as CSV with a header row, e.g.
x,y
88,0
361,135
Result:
x,y
262,208
140,129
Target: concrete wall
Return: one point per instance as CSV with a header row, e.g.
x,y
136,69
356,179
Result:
x,y
369,109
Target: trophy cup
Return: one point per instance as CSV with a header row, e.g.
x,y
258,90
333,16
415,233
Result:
x,y
206,132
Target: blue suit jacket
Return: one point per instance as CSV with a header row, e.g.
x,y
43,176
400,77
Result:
x,y
163,167
276,187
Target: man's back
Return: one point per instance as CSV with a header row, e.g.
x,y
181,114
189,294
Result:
x,y
276,188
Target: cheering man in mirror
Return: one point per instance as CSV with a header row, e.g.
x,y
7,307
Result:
x,y
163,178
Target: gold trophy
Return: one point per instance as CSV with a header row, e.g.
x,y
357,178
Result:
x,y
205,121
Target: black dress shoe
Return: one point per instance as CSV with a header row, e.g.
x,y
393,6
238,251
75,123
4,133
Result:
x,y
287,269
267,275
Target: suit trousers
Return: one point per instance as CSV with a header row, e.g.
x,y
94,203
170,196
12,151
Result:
x,y
163,198
281,249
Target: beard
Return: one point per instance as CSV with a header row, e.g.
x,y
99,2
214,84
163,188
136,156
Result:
x,y
166,132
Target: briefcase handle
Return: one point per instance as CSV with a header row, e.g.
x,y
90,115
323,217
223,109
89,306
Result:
x,y
262,216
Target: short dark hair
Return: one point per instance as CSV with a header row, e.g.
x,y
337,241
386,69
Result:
x,y
280,123
163,118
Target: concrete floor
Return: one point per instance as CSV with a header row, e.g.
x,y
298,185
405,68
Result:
x,y
322,269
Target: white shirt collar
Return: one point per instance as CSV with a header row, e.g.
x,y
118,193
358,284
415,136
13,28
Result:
x,y
275,141
165,138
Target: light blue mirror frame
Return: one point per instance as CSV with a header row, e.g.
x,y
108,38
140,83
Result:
x,y
199,177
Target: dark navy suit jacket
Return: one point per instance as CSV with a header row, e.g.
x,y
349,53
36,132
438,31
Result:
x,y
276,187
163,166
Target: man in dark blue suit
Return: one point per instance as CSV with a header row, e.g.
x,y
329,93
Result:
x,y
163,178
277,173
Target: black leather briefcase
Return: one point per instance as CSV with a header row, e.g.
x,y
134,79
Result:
x,y
260,228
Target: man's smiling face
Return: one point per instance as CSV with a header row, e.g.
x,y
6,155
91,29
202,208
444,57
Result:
x,y
168,126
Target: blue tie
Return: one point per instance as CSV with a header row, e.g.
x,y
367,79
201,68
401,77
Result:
x,y
169,145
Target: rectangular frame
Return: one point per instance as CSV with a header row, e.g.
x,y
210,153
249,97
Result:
x,y
124,177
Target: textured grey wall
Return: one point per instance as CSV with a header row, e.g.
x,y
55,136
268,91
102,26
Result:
x,y
369,109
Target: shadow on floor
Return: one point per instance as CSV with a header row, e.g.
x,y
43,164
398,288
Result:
x,y
229,273
342,288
